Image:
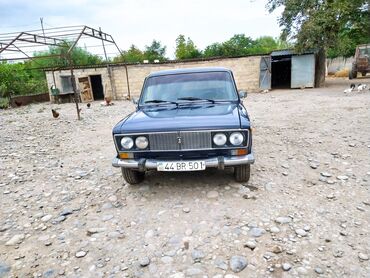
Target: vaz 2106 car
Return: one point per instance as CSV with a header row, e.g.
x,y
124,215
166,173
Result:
x,y
185,120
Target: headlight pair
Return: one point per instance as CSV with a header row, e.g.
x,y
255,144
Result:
x,y
235,138
141,142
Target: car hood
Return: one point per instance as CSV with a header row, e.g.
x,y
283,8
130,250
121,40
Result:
x,y
183,117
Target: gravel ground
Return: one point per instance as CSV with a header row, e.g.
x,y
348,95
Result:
x,y
65,211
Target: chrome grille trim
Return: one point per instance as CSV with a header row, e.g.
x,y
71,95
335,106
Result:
x,y
163,141
178,134
195,140
190,140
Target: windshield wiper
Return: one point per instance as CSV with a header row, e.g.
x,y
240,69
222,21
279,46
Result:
x,y
160,101
195,99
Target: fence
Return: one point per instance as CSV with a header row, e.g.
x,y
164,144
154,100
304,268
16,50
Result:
x,y
16,101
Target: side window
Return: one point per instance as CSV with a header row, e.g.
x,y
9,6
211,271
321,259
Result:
x,y
66,84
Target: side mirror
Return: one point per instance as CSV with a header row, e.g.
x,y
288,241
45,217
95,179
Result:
x,y
242,94
135,100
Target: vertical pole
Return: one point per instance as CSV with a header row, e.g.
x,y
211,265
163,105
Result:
x,y
56,98
112,86
128,84
108,68
42,27
74,86
102,41
54,78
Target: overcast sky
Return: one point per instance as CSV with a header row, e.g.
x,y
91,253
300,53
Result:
x,y
140,21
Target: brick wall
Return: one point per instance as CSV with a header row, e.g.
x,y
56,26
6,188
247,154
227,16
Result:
x,y
246,72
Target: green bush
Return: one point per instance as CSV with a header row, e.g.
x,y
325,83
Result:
x,y
4,103
17,79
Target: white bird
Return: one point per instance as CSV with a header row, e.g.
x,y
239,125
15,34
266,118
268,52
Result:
x,y
361,87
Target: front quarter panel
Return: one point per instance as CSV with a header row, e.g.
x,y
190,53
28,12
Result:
x,y
118,126
244,117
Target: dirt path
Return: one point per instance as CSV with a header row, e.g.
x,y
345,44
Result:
x,y
65,211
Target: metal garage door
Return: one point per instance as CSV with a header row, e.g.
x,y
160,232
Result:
x,y
265,73
303,71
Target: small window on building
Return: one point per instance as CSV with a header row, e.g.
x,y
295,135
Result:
x,y
66,84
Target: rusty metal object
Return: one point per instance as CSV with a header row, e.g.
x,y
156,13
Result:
x,y
15,44
361,63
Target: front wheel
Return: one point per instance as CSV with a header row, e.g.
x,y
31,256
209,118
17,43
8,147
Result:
x,y
363,73
242,173
132,176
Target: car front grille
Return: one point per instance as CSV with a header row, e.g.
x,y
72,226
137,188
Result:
x,y
163,141
183,140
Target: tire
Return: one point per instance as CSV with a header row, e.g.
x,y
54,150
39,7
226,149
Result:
x,y
363,73
132,176
242,173
350,75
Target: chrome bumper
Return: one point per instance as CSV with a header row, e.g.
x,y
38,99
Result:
x,y
216,162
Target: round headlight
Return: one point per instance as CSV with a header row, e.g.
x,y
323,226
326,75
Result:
x,y
236,138
219,139
141,142
127,143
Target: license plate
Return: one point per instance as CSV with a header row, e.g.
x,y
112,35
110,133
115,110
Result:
x,y
177,166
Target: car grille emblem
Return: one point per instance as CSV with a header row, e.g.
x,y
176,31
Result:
x,y
179,140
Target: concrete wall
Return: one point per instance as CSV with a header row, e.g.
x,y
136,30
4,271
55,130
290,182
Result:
x,y
246,72
339,63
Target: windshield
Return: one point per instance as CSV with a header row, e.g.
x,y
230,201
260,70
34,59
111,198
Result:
x,y
364,51
212,86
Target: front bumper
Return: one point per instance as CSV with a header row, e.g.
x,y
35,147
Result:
x,y
219,162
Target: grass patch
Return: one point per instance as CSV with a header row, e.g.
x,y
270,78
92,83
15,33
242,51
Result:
x,y
4,103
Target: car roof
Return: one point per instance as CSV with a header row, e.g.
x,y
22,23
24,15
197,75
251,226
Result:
x,y
188,70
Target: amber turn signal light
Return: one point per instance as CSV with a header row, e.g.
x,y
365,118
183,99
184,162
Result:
x,y
241,152
125,155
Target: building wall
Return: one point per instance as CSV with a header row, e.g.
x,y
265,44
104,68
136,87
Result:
x,y
79,73
246,72
339,63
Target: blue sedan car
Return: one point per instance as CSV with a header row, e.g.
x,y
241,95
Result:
x,y
185,120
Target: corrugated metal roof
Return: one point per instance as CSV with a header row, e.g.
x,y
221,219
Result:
x,y
290,52
283,52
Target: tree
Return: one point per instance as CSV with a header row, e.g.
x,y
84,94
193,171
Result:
x,y
263,45
17,79
79,56
237,45
214,50
155,51
240,45
336,26
132,55
186,49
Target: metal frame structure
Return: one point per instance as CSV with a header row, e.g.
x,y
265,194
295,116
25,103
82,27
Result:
x,y
17,45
